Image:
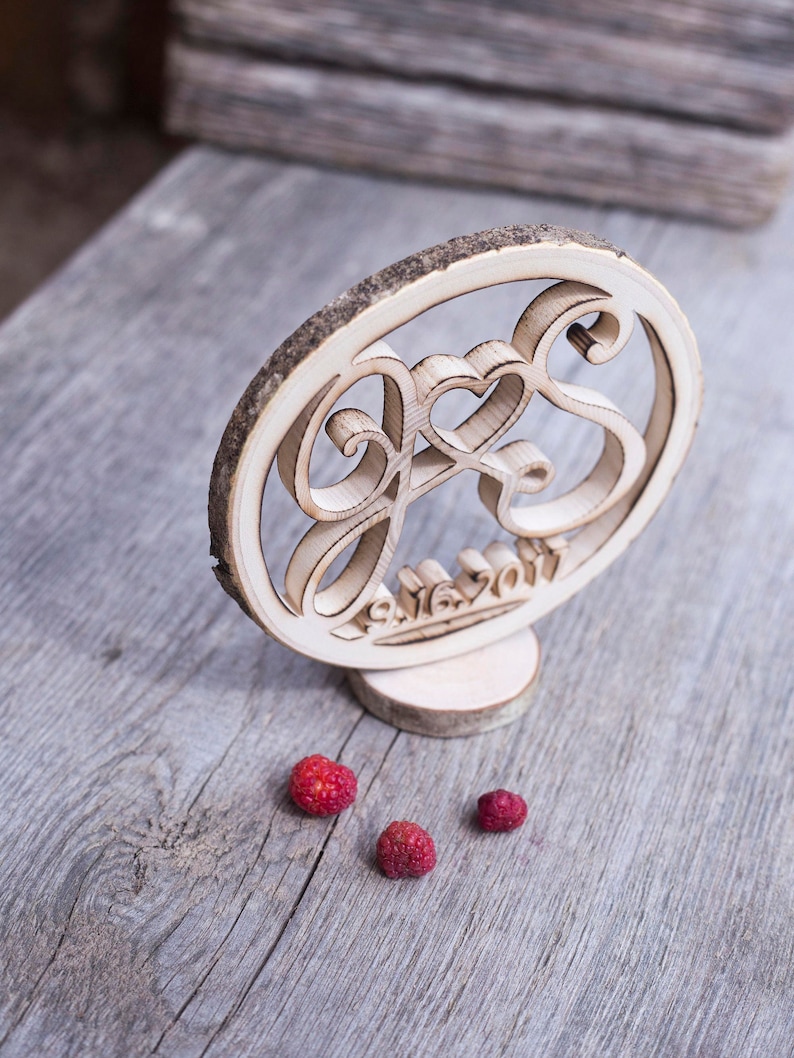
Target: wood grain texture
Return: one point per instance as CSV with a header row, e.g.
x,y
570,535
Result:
x,y
159,895
466,134
724,62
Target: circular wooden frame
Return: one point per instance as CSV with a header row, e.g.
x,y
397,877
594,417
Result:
x,y
590,275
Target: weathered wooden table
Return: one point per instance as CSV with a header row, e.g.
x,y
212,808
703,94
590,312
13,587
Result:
x,y
159,892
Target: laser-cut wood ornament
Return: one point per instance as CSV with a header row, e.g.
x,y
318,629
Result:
x,y
431,650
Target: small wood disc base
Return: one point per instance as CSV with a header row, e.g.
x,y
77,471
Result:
x,y
464,695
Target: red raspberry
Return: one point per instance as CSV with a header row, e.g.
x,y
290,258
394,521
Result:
x,y
501,810
321,786
406,850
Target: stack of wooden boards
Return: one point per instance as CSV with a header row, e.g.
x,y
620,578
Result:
x,y
683,107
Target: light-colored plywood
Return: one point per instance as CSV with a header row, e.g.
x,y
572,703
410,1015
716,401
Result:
x,y
558,546
159,894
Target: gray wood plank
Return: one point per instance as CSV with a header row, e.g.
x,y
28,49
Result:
x,y
466,134
159,894
723,62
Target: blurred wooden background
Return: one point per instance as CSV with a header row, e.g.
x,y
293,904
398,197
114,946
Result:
x,y
679,107
63,60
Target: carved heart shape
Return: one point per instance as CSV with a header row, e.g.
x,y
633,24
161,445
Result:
x,y
486,364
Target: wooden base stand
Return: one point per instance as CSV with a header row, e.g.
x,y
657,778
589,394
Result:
x,y
463,695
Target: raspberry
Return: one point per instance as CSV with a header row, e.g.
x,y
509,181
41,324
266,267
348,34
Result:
x,y
406,850
321,786
501,810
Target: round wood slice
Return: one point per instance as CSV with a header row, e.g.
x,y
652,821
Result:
x,y
444,650
467,695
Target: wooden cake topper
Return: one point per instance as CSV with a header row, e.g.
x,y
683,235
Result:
x,y
434,650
